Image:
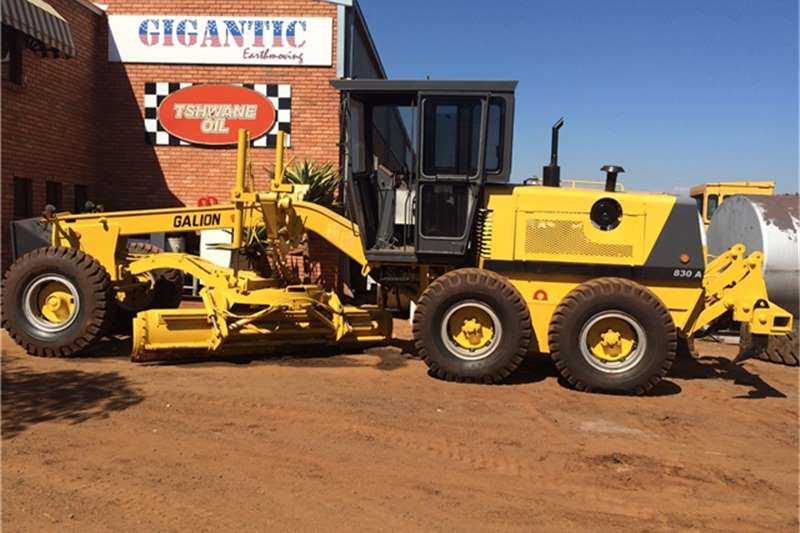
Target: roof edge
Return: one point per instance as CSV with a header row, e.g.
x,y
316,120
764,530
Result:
x,y
362,20
374,49
91,6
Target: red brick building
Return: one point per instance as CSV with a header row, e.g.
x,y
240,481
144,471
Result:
x,y
83,127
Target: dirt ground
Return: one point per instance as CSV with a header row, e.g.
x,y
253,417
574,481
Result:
x,y
370,442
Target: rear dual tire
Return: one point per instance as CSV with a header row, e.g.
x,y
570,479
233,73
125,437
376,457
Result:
x,y
607,335
612,335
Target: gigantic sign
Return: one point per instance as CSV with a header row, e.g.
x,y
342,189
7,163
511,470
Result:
x,y
181,114
234,40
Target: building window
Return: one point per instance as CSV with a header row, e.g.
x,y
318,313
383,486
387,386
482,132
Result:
x,y
53,194
23,198
81,195
12,55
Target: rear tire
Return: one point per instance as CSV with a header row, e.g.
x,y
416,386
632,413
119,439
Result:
x,y
612,335
57,301
686,347
780,349
472,325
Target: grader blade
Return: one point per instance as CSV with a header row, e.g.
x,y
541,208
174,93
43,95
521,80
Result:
x,y
168,334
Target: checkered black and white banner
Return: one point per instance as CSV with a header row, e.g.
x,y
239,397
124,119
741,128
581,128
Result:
x,y
279,94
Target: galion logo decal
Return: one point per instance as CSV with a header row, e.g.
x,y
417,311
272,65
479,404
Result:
x,y
213,114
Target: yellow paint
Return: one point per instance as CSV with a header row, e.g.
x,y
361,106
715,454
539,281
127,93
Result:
x,y
719,191
244,311
735,282
267,310
238,190
471,328
611,339
553,224
56,303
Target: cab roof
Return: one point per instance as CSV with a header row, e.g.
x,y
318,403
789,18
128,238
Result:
x,y
397,86
742,187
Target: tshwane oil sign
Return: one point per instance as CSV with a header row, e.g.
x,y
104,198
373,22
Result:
x,y
213,114
220,40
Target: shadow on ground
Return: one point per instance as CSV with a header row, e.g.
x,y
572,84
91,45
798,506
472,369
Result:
x,y
533,369
724,369
30,397
398,352
118,346
391,356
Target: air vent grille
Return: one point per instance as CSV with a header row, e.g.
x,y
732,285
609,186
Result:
x,y
567,237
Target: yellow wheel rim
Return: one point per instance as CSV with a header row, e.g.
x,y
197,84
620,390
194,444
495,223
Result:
x,y
612,341
50,303
56,302
471,330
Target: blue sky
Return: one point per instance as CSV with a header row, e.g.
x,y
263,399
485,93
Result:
x,y
678,92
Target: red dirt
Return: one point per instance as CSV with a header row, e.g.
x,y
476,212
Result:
x,y
370,442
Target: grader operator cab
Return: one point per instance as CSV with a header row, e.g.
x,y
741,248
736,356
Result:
x,y
607,283
420,156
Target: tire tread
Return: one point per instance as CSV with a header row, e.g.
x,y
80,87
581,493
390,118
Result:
x,y
88,268
455,280
608,286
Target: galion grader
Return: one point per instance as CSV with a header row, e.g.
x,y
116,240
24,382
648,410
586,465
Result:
x,y
609,284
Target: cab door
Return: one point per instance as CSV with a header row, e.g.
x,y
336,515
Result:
x,y
451,171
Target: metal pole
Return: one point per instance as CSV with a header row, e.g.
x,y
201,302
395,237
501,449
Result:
x,y
238,189
277,179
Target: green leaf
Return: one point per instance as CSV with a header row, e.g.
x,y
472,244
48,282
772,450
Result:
x,y
323,180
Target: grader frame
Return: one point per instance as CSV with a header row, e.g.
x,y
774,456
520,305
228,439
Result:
x,y
242,310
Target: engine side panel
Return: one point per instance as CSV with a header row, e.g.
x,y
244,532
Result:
x,y
539,229
543,239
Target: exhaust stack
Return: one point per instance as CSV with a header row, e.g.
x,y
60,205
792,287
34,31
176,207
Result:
x,y
551,174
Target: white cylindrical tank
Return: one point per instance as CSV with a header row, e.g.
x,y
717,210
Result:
x,y
768,224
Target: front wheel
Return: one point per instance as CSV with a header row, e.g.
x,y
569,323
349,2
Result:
x,y
472,325
56,301
612,335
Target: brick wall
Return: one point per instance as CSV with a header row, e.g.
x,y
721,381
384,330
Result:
x,y
145,176
48,122
81,120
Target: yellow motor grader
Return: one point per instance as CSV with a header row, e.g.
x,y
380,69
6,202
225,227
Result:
x,y
68,295
608,283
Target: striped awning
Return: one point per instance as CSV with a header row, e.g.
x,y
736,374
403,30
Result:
x,y
38,19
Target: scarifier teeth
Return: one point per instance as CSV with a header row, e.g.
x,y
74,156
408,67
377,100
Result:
x,y
139,338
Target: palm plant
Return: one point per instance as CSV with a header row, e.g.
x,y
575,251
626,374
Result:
x,y
322,179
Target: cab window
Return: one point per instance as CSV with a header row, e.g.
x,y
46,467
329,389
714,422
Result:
x,y
494,136
699,201
713,203
451,139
